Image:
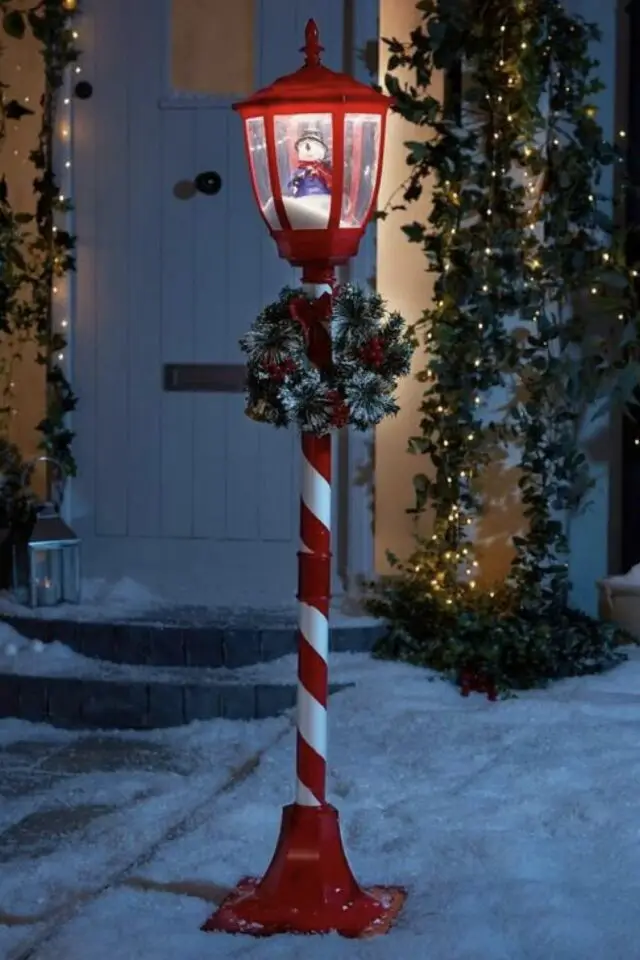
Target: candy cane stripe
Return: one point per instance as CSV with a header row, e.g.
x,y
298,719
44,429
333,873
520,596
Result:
x,y
313,668
311,774
311,720
316,493
313,595
312,530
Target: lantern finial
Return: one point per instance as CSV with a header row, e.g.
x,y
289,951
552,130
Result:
x,y
312,46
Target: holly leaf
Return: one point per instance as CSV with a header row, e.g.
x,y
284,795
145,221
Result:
x,y
13,24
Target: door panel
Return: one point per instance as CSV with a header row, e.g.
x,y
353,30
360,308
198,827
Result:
x,y
169,275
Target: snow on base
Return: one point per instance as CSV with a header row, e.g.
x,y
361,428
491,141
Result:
x,y
513,825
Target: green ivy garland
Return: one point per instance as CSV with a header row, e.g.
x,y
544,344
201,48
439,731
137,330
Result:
x,y
33,252
525,259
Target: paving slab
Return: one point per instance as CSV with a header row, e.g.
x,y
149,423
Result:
x,y
102,754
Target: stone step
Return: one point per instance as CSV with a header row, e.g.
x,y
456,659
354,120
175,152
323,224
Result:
x,y
191,637
143,700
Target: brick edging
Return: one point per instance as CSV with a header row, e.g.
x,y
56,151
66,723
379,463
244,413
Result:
x,y
75,703
161,645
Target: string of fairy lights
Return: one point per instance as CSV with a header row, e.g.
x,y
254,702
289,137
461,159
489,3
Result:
x,y
64,289
64,286
533,183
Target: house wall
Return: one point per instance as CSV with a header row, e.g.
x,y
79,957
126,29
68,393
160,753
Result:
x,y
403,282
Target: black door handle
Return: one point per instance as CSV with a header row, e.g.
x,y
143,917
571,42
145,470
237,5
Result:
x,y
208,182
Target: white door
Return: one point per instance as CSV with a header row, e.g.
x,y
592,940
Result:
x,y
179,490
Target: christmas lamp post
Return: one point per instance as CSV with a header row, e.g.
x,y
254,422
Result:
x,y
314,141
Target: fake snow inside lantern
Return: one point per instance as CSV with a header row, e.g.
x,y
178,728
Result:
x,y
314,140
53,555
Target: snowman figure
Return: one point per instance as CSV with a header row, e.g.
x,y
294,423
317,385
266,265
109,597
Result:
x,y
312,177
308,199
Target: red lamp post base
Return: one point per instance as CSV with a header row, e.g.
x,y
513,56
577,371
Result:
x,y
309,887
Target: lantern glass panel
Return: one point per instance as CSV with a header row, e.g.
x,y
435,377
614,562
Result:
x,y
304,144
361,159
257,146
46,577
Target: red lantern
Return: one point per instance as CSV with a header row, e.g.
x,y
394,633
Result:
x,y
314,141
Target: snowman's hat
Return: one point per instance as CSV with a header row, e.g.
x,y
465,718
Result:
x,y
313,135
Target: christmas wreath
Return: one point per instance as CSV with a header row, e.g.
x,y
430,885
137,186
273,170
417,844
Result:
x,y
369,351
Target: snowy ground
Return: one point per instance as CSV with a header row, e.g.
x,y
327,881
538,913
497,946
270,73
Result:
x,y
514,826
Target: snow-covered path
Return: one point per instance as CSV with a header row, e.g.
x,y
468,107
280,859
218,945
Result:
x,y
515,827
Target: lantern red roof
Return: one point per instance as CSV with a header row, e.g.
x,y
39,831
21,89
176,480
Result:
x,y
314,83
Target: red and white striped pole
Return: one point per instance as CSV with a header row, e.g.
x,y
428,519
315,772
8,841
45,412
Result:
x,y
314,579
309,886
